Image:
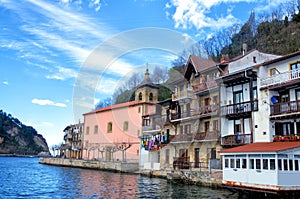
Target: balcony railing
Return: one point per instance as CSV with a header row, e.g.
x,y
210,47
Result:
x,y
280,78
210,109
240,108
204,86
285,108
236,140
211,135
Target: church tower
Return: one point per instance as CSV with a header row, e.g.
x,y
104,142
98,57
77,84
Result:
x,y
147,91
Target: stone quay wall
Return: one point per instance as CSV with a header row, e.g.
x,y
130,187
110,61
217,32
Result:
x,y
212,178
125,167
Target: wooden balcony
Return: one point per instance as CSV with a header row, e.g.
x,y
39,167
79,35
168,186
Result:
x,y
202,136
198,87
240,109
236,140
285,108
280,79
209,110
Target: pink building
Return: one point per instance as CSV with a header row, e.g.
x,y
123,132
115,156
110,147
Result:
x,y
112,133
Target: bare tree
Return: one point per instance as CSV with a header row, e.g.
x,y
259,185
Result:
x,y
159,74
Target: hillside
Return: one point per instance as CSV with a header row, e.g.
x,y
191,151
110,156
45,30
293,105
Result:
x,y
19,139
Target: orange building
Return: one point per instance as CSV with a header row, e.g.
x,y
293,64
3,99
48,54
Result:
x,y
112,133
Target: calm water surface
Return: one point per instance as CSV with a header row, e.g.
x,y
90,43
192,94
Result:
x,y
26,178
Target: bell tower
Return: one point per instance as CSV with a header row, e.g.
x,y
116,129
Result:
x,y
147,91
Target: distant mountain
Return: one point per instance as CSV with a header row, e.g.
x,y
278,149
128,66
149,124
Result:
x,y
19,139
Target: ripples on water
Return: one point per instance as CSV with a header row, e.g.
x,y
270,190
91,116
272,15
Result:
x,y
26,178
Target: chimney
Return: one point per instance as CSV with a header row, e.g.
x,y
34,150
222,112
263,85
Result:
x,y
244,48
224,58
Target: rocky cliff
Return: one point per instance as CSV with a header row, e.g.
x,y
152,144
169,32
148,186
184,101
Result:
x,y
19,139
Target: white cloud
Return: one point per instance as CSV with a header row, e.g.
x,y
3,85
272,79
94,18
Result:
x,y
44,102
53,30
62,73
5,82
195,13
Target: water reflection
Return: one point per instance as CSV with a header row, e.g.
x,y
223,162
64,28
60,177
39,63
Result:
x,y
25,178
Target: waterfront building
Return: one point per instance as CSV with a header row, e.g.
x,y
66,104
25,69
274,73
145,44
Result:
x,y
280,97
270,167
72,147
271,162
240,99
112,133
189,120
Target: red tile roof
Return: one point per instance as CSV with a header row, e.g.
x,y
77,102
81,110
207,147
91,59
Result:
x,y
263,147
116,106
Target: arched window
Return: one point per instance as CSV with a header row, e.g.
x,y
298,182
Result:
x,y
140,96
151,97
125,126
109,127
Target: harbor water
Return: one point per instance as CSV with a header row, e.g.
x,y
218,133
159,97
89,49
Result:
x,y
26,178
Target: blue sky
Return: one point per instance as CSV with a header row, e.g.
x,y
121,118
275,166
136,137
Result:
x,y
56,58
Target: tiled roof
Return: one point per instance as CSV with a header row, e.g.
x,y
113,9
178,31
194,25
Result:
x,y
263,147
116,106
200,63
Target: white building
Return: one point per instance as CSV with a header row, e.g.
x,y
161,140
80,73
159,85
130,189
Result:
x,y
271,167
280,98
240,99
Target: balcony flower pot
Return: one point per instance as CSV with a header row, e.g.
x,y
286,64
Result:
x,y
276,138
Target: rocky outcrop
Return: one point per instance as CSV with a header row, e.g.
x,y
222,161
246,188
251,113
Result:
x,y
19,139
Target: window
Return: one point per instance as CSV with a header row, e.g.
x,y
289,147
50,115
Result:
x,y
125,126
140,96
296,165
231,163
285,164
181,129
109,127
279,162
238,97
272,71
181,88
291,165
214,75
167,156
257,164
188,109
265,164
215,100
95,129
151,97
251,164
295,70
207,101
244,163
238,163
206,127
216,125
87,130
139,109
272,164
187,129
226,163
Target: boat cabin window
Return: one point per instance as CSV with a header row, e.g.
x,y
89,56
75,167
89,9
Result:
x,y
251,164
272,164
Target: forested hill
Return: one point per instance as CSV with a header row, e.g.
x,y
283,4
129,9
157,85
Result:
x,y
19,139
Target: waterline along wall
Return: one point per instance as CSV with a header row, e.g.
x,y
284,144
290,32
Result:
x,y
126,167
